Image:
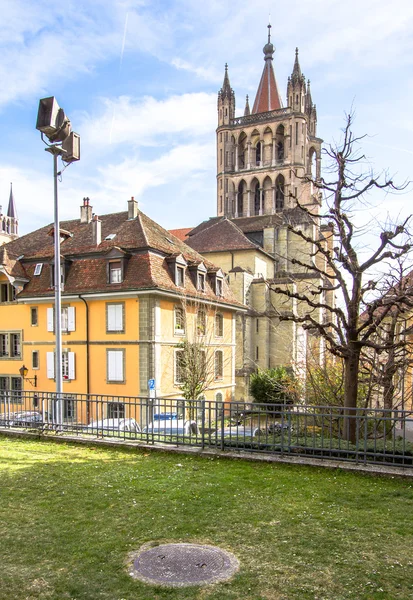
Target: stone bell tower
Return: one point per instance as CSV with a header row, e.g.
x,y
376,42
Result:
x,y
264,155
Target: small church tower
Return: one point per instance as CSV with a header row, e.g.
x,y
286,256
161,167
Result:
x,y
9,225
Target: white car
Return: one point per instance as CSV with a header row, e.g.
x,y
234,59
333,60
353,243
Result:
x,y
113,425
172,427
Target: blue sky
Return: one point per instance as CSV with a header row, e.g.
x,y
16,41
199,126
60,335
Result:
x,y
139,81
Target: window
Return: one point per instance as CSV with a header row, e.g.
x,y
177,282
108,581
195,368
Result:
x,y
257,325
179,320
256,353
38,269
219,325
68,322
68,365
7,292
69,409
35,359
10,345
200,282
179,373
11,389
115,366
115,322
219,364
34,316
219,287
218,397
116,410
115,272
201,322
180,276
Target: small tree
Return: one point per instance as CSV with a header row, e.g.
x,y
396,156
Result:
x,y
274,386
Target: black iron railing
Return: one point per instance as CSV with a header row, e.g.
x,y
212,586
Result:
x,y
359,435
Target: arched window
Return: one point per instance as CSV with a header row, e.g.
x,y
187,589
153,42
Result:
x,y
279,193
280,151
257,200
258,154
240,198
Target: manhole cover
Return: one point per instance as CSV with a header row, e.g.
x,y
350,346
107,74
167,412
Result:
x,y
179,565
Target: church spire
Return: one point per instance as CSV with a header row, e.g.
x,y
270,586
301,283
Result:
x,y
226,90
11,211
267,97
247,107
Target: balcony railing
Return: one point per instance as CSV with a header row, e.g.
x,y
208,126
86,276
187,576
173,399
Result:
x,y
261,117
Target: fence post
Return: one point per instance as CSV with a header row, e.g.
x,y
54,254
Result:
x,y
202,424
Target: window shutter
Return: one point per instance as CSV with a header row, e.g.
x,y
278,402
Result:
x,y
50,364
111,318
118,317
71,324
50,319
71,357
115,365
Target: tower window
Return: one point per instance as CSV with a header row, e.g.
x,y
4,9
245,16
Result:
x,y
296,133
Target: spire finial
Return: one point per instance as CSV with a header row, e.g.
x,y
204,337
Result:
x,y
269,32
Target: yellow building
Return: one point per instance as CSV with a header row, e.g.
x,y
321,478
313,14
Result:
x,y
132,292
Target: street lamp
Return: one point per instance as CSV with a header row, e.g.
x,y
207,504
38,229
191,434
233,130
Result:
x,y
23,372
53,123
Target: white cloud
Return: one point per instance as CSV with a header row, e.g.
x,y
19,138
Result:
x,y
150,122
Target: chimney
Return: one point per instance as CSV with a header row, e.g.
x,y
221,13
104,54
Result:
x,y
86,211
132,208
96,230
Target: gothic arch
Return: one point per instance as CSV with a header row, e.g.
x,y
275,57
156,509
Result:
x,y
267,195
312,163
280,143
242,149
255,197
241,198
279,193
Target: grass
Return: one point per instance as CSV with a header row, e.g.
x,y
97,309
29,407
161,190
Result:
x,y
69,516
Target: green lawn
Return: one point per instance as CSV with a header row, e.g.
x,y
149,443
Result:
x,y
70,515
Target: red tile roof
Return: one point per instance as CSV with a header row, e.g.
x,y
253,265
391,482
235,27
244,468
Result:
x,y
181,234
268,97
146,245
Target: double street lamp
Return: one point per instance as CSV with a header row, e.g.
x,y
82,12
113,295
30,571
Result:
x,y
54,124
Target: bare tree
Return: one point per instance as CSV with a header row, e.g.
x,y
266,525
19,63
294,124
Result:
x,y
342,267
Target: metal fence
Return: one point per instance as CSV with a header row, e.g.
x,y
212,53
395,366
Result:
x,y
359,435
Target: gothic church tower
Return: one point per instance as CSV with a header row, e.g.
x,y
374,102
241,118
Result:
x,y
263,156
9,225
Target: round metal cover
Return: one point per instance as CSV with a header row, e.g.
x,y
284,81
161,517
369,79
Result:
x,y
179,565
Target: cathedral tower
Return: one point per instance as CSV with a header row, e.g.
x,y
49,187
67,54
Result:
x,y
263,156
9,225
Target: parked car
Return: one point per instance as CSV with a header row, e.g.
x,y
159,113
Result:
x,y
26,418
172,427
113,425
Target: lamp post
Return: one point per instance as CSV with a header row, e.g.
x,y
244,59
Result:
x,y
53,123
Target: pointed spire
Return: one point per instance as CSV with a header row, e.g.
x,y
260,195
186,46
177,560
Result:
x,y
226,86
11,211
297,76
247,107
308,99
267,97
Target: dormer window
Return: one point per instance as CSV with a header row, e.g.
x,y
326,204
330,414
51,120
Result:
x,y
200,282
38,269
219,286
180,276
115,271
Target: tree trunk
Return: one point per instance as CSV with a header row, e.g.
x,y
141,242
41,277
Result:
x,y
351,369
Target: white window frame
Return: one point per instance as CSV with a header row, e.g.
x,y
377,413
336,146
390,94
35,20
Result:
x,y
219,287
219,372
115,274
200,281
68,365
220,317
38,269
115,365
68,319
181,321
115,317
179,280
